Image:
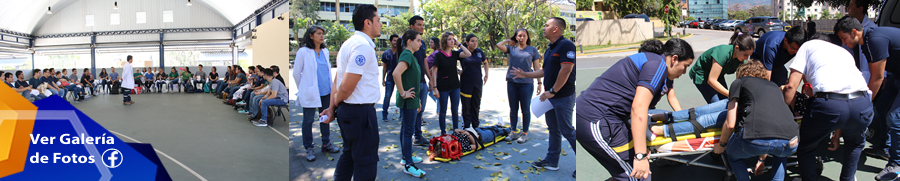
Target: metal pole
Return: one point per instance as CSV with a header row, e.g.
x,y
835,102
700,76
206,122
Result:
x,y
93,55
162,51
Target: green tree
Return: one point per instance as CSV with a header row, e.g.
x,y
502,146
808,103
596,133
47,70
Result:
x,y
624,7
690,18
672,18
397,24
303,15
337,34
584,5
760,11
834,3
825,14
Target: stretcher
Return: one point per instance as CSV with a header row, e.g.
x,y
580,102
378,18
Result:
x,y
496,140
656,155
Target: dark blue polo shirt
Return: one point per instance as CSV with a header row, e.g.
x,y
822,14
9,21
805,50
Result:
x,y
390,62
610,96
858,50
881,43
48,80
420,55
770,52
560,52
471,71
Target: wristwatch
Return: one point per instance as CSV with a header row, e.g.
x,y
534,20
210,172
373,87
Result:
x,y
640,156
552,91
722,144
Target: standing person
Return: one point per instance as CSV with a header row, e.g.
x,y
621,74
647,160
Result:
x,y
526,57
408,75
127,81
445,78
418,23
626,92
765,128
435,45
842,101
882,52
312,69
389,59
278,96
709,71
775,49
471,83
559,74
810,27
355,94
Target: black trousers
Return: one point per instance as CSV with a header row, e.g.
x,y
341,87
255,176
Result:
x,y
359,127
471,105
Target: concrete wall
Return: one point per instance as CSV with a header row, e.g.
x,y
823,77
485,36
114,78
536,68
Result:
x,y
617,31
271,44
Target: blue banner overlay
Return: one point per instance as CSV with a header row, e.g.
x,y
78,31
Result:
x,y
66,144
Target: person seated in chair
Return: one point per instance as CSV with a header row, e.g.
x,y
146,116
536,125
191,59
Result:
x,y
22,83
173,79
186,77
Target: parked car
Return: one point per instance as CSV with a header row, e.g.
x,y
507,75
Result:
x,y
728,25
696,24
709,24
683,23
759,25
889,20
643,16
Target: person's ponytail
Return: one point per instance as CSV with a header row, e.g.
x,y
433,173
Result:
x,y
744,41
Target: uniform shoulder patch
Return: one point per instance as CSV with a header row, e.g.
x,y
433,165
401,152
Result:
x,y
360,60
571,54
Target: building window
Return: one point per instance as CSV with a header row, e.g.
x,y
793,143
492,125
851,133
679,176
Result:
x,y
141,17
348,7
114,19
326,6
88,20
168,17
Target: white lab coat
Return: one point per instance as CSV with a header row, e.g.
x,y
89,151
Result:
x,y
305,69
127,76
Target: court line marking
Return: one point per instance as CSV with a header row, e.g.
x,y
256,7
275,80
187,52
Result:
x,y
166,155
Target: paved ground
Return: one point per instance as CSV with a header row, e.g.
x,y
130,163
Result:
x,y
494,107
590,67
205,136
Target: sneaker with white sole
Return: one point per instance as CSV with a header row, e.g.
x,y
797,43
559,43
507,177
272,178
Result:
x,y
310,155
414,171
414,158
523,137
330,148
890,172
512,136
260,123
545,164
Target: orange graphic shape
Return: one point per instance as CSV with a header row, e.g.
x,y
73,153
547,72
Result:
x,y
16,123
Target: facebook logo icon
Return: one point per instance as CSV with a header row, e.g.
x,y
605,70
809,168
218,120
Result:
x,y
112,158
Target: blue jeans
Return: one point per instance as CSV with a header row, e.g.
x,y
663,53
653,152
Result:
x,y
410,123
254,104
488,134
710,94
519,96
388,92
309,116
264,106
739,149
171,85
559,123
71,88
437,109
418,132
220,86
54,91
710,115
453,95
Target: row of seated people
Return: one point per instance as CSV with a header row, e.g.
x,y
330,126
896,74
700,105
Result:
x,y
252,92
48,82
157,80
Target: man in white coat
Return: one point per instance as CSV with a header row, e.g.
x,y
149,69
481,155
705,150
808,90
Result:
x,y
128,81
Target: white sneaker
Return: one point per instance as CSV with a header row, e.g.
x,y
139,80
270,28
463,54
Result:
x,y
260,123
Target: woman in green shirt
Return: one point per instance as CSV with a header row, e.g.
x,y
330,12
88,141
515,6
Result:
x,y
173,79
709,71
407,83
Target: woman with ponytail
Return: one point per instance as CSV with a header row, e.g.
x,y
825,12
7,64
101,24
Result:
x,y
709,72
626,91
407,83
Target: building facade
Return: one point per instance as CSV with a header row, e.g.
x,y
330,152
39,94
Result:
x,y
707,9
